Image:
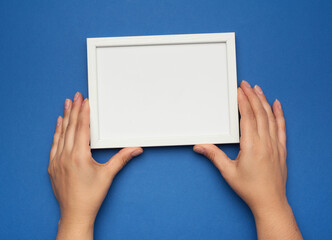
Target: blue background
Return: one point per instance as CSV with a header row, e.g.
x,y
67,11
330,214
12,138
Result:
x,y
168,192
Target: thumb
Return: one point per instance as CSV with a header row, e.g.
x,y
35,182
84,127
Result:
x,y
217,157
119,160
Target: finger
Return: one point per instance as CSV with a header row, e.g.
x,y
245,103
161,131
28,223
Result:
x,y
82,136
70,133
268,110
119,160
68,105
257,107
56,138
217,157
248,124
280,120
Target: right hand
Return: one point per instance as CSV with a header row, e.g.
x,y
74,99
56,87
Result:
x,y
258,175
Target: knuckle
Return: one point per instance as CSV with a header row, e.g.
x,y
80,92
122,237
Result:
x,y
56,135
63,132
261,113
76,157
250,115
283,151
245,143
272,119
79,126
49,171
269,147
62,160
55,168
263,99
263,149
124,160
211,155
241,99
55,143
281,122
70,125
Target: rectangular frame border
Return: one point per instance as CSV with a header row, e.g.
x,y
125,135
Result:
x,y
227,38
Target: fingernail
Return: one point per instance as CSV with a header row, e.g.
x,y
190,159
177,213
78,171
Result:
x,y
246,84
67,104
278,104
258,90
199,150
76,96
58,122
85,100
136,153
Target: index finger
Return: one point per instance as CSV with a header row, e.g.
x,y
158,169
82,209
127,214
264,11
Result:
x,y
248,124
258,109
82,136
56,138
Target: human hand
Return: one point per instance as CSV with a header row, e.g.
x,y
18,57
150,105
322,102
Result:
x,y
258,174
80,184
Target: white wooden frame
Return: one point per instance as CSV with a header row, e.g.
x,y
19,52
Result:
x,y
94,43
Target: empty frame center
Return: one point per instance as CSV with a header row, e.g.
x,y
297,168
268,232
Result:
x,y
149,91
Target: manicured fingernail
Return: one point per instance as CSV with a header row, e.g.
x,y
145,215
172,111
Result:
x,y
246,84
136,153
199,150
278,104
58,122
67,104
85,100
258,90
76,96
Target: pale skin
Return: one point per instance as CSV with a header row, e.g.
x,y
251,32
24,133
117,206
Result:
x,y
80,184
258,174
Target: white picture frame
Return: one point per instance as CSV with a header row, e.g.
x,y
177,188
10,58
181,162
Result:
x,y
162,90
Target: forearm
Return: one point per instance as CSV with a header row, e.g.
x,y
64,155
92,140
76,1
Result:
x,y
277,223
75,230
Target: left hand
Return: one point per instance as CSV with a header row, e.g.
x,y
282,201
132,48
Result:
x,y
80,184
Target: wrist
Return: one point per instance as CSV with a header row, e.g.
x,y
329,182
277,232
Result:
x,y
77,217
273,212
77,223
270,207
281,208
276,221
70,227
